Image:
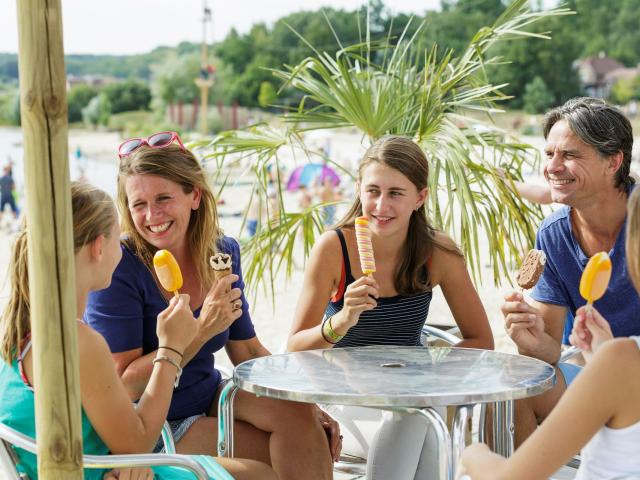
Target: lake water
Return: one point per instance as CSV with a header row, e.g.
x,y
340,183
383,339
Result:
x,y
98,172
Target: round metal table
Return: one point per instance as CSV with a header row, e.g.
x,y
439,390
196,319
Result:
x,y
410,379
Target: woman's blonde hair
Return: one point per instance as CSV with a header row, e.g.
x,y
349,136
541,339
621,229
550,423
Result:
x,y
181,167
633,238
94,214
405,156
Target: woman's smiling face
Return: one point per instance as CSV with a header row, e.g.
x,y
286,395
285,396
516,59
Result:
x,y
161,210
388,198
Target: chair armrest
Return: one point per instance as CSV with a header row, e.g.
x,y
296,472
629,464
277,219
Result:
x,y
145,460
21,440
444,335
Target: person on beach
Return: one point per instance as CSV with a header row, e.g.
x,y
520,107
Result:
x,y
110,422
341,307
166,203
7,191
598,413
588,153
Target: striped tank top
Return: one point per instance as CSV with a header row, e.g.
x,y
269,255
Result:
x,y
396,320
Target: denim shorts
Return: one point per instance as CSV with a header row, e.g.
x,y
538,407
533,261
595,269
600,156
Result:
x,y
569,372
178,427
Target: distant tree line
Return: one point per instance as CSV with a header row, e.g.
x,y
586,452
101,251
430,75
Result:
x,y
539,72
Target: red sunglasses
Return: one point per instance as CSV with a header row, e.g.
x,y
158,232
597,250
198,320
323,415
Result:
x,y
157,140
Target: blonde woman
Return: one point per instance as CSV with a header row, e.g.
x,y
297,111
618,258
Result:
x,y
599,412
166,203
110,422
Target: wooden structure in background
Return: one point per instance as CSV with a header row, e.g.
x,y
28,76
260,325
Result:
x,y
43,106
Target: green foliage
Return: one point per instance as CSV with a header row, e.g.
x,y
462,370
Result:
x,y
10,108
128,96
78,98
98,111
537,97
267,96
624,90
175,79
396,87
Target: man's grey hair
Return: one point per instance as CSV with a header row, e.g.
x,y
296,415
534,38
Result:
x,y
600,125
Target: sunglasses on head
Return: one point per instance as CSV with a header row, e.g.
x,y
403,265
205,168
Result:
x,y
157,140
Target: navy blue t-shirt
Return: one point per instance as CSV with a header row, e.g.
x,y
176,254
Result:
x,y
125,313
560,281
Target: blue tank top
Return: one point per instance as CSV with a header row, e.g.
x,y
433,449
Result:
x,y
396,320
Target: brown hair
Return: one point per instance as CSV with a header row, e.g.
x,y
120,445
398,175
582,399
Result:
x,y
93,215
181,167
404,155
632,251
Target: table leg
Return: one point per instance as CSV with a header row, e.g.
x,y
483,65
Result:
x,y
458,430
444,441
503,428
225,420
482,424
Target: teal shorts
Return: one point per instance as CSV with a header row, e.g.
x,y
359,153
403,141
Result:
x,y
569,372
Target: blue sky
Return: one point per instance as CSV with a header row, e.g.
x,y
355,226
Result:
x,y
137,26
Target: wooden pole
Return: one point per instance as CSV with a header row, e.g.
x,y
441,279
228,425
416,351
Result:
x,y
43,104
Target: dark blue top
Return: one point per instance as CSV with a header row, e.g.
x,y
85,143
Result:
x,y
396,320
6,185
560,281
125,314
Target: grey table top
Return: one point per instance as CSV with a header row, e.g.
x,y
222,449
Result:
x,y
395,376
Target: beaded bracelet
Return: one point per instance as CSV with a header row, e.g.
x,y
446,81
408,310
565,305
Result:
x,y
164,358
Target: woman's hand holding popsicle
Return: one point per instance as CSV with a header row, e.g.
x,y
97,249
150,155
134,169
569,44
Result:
x,y
176,326
360,296
590,331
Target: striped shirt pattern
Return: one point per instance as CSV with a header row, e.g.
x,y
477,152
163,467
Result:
x,y
396,320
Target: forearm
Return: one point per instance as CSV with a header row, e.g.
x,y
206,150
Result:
x,y
547,349
309,339
483,343
152,408
137,374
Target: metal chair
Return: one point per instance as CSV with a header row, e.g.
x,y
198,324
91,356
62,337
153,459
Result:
x,y
10,439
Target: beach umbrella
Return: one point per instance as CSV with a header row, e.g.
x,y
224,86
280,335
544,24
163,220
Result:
x,y
311,172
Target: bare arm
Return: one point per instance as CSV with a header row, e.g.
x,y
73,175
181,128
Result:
x,y
448,270
611,399
321,278
216,315
242,350
536,329
126,428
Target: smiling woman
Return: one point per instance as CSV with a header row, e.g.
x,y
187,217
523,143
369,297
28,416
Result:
x,y
166,203
340,307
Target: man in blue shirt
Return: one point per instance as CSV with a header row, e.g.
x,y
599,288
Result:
x,y
588,154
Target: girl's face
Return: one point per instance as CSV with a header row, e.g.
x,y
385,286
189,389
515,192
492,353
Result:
x,y
388,198
161,211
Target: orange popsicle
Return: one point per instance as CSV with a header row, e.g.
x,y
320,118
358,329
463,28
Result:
x,y
595,277
365,249
168,271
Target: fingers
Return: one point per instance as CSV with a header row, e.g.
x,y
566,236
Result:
x,y
223,285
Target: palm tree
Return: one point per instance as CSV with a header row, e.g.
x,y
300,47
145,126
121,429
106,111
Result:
x,y
392,86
